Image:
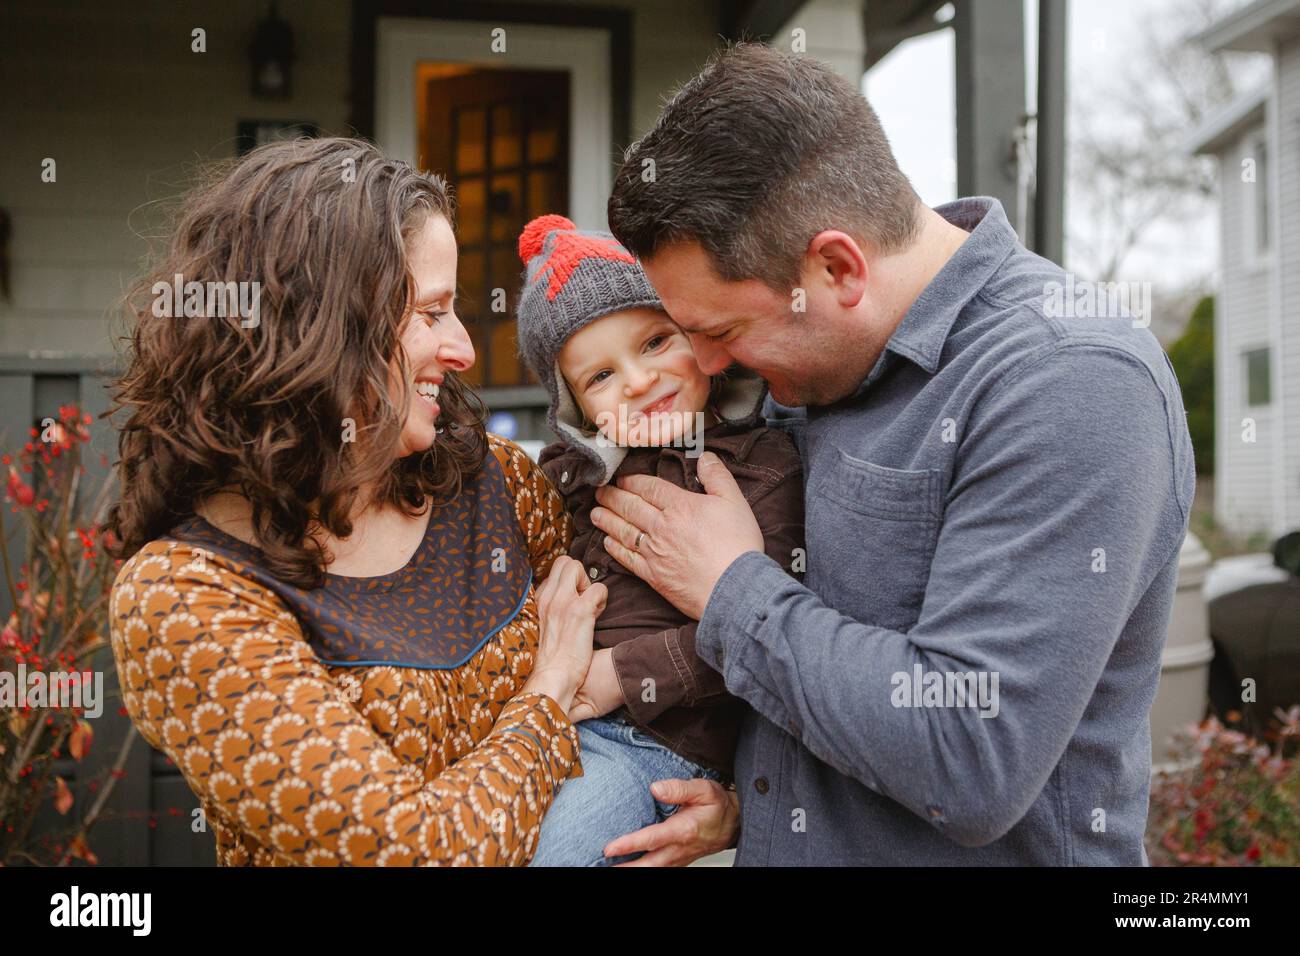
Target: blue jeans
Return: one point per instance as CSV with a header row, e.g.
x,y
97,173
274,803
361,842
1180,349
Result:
x,y
612,797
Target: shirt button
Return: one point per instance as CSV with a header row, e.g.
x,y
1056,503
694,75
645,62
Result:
x,y
760,784
564,477
593,572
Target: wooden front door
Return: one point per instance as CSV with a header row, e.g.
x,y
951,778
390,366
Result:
x,y
501,139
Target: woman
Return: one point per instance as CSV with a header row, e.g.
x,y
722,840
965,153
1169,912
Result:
x,y
330,614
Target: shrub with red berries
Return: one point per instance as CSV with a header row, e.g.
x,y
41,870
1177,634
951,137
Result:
x,y
1233,801
58,589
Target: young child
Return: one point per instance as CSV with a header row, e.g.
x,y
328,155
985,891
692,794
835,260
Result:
x,y
627,398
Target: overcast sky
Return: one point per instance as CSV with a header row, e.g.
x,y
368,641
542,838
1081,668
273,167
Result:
x,y
912,90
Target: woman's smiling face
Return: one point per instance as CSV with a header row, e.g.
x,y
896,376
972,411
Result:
x,y
627,367
432,336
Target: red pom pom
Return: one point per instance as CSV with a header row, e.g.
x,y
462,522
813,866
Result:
x,y
534,234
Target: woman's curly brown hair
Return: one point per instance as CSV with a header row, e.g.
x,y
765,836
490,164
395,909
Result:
x,y
323,226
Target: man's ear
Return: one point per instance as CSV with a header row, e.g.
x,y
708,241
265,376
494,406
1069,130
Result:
x,y
840,257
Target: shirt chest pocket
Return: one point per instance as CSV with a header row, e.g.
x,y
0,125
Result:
x,y
872,534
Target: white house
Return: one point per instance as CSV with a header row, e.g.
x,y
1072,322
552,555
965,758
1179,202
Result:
x,y
1257,320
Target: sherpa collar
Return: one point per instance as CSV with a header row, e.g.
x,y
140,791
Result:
x,y
589,462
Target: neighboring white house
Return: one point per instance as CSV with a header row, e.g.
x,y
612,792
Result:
x,y
1257,319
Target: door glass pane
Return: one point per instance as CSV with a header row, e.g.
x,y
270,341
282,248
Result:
x,y
505,135
543,143
471,209
506,208
470,276
505,353
473,376
471,139
507,271
543,193
507,274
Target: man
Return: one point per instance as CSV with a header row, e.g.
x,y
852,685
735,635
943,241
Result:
x,y
996,496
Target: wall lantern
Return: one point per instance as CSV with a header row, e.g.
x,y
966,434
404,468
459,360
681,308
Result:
x,y
271,56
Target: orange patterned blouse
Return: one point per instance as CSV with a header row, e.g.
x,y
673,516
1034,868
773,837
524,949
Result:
x,y
299,762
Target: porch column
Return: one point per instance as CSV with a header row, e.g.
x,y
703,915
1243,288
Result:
x,y
1049,191
990,41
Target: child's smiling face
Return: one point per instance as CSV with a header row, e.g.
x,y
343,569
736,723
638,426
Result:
x,y
641,361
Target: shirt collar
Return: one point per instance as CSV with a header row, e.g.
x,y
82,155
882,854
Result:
x,y
921,335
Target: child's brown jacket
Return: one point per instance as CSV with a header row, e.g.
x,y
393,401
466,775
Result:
x,y
668,691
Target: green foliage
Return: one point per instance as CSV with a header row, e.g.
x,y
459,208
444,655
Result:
x,y
1193,360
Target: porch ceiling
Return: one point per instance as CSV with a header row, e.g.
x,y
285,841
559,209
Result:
x,y
886,23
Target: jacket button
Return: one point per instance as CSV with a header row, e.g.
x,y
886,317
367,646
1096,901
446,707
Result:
x,y
564,477
760,784
593,572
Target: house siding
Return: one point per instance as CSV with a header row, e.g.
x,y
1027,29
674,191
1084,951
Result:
x,y
670,41
84,86
1244,470
113,93
1287,209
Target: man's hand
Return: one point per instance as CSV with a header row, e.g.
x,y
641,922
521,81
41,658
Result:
x,y
707,821
690,539
600,693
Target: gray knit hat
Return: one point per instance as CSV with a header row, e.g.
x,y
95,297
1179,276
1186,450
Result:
x,y
571,278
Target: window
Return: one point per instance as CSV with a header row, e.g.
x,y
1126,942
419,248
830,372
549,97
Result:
x,y
1255,205
1261,200
1259,383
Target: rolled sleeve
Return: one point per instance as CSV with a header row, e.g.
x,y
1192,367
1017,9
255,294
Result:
x,y
666,658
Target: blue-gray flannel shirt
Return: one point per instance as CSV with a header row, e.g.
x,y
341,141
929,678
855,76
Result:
x,y
1003,497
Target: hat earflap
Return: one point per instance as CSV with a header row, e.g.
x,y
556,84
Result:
x,y
603,455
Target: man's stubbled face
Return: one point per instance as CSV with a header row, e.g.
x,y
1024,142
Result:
x,y
807,358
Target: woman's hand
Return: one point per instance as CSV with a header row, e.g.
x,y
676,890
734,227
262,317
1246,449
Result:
x,y
567,607
601,692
